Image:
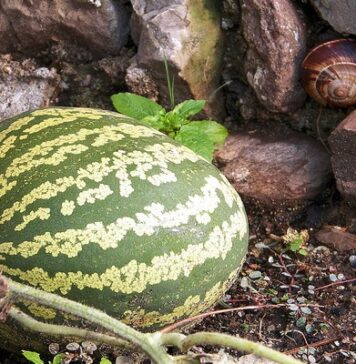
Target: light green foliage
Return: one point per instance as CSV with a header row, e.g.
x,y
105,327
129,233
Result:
x,y
202,137
135,106
105,361
296,241
57,359
32,357
35,358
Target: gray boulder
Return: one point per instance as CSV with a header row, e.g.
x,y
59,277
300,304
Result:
x,y
187,34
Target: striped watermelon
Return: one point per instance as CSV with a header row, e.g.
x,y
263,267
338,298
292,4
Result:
x,y
103,210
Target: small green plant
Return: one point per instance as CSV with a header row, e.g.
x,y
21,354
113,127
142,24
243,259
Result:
x,y
296,241
35,358
202,136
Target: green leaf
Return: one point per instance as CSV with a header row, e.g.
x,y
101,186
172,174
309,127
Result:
x,y
57,359
135,106
156,122
173,121
303,252
105,361
189,107
202,137
32,356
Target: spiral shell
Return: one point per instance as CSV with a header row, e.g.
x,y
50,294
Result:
x,y
329,73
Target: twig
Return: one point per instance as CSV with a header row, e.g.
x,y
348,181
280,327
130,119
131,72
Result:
x,y
335,284
206,314
303,336
314,345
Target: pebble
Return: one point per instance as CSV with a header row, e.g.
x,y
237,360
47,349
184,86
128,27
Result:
x,y
332,278
256,274
352,260
306,310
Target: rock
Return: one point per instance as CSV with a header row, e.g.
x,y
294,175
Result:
x,y
342,142
275,165
24,86
339,14
188,35
33,25
6,33
337,238
276,37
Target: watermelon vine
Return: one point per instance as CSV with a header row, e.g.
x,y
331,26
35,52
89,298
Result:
x,y
152,344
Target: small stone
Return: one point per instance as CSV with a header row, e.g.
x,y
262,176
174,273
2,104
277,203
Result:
x,y
352,261
89,347
244,283
73,347
301,322
340,277
256,274
260,246
332,278
293,307
123,360
306,310
53,348
311,351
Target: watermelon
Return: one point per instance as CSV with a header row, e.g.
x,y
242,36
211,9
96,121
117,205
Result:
x,y
101,209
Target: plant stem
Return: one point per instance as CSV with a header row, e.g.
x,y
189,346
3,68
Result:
x,y
149,343
59,330
172,339
238,343
170,83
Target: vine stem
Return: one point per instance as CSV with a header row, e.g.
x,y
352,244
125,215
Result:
x,y
61,330
210,338
149,343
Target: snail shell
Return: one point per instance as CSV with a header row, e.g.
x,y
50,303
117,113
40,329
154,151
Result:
x,y
329,73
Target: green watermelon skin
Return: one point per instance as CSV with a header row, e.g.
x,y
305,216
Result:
x,y
106,211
